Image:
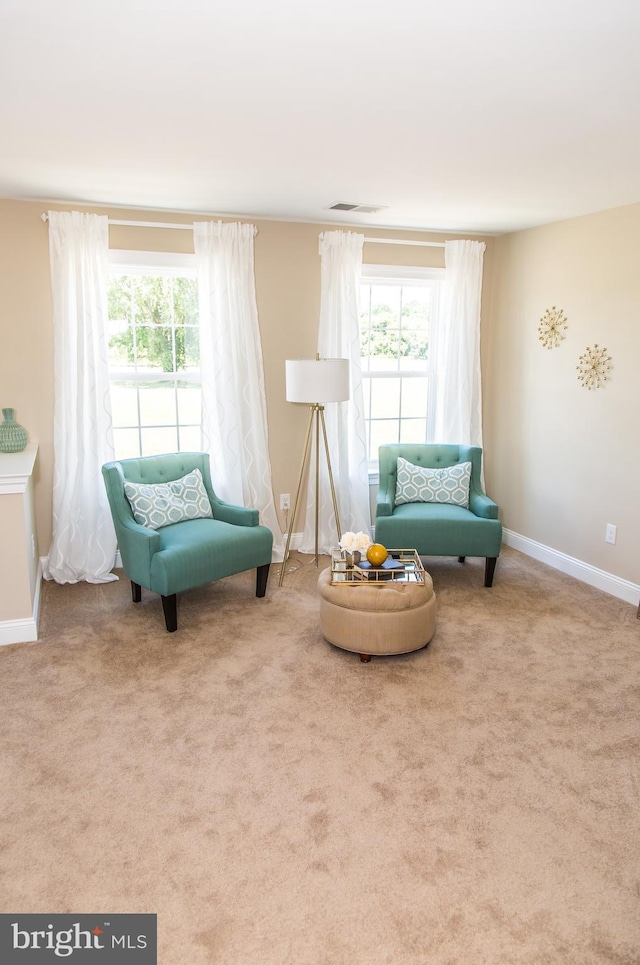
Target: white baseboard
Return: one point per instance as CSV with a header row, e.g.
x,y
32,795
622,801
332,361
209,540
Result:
x,y
26,629
623,589
18,631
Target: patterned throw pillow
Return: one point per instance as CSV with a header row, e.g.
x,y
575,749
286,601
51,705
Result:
x,y
417,484
161,504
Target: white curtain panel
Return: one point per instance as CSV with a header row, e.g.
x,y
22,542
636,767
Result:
x,y
339,337
234,408
84,541
456,347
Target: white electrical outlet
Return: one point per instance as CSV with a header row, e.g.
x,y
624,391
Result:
x,y
611,531
285,502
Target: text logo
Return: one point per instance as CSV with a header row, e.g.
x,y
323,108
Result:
x,y
82,939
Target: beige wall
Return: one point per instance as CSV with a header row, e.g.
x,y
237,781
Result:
x,y
563,461
287,267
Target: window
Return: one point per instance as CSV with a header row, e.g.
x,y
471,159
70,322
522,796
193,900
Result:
x,y
154,353
397,307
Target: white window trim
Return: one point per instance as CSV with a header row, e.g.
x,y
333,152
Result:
x,y
410,275
396,274
158,264
152,262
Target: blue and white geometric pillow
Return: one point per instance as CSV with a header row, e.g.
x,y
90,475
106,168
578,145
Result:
x,y
162,504
417,484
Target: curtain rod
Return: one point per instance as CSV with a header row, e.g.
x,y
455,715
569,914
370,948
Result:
x,y
139,224
399,241
189,227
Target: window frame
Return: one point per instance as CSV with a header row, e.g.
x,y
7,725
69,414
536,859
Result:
x,y
159,264
405,277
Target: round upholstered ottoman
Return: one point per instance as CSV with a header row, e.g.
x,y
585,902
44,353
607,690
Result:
x,y
378,618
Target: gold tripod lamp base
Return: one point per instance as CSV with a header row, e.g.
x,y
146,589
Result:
x,y
326,380
316,419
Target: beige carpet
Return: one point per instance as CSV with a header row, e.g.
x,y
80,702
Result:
x,y
277,801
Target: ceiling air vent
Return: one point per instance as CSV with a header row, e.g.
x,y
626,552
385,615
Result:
x,y
362,208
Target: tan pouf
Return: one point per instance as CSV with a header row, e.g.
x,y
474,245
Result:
x,y
377,618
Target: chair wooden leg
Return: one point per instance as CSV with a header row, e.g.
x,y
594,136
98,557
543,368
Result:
x,y
170,607
461,559
262,575
136,592
489,570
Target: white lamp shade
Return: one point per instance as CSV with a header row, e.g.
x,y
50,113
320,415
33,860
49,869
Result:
x,y
317,380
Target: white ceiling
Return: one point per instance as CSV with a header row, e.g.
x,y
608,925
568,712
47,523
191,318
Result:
x,y
459,115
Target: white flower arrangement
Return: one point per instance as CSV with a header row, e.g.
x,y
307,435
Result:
x,y
352,542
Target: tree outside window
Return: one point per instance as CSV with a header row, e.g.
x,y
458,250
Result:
x,y
396,317
154,362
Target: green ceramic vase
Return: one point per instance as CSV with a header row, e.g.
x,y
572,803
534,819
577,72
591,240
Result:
x,y
13,437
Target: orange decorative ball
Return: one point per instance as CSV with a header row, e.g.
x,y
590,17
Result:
x,y
377,554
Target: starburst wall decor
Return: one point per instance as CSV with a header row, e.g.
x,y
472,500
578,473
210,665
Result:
x,y
552,327
593,367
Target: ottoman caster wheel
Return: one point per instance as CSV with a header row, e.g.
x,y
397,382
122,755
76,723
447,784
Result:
x,y
365,657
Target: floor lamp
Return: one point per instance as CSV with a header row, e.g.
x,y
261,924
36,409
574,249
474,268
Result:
x,y
315,382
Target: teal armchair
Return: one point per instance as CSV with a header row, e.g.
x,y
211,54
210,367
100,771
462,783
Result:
x,y
433,528
189,553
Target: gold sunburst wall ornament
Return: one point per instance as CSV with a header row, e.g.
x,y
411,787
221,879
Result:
x,y
593,367
552,327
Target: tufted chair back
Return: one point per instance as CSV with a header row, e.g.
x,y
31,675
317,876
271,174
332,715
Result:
x,y
431,456
190,553
435,528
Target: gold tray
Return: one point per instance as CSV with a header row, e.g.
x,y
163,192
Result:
x,y
411,571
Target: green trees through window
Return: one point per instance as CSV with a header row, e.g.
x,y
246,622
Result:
x,y
154,322
154,357
386,335
395,326
154,362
